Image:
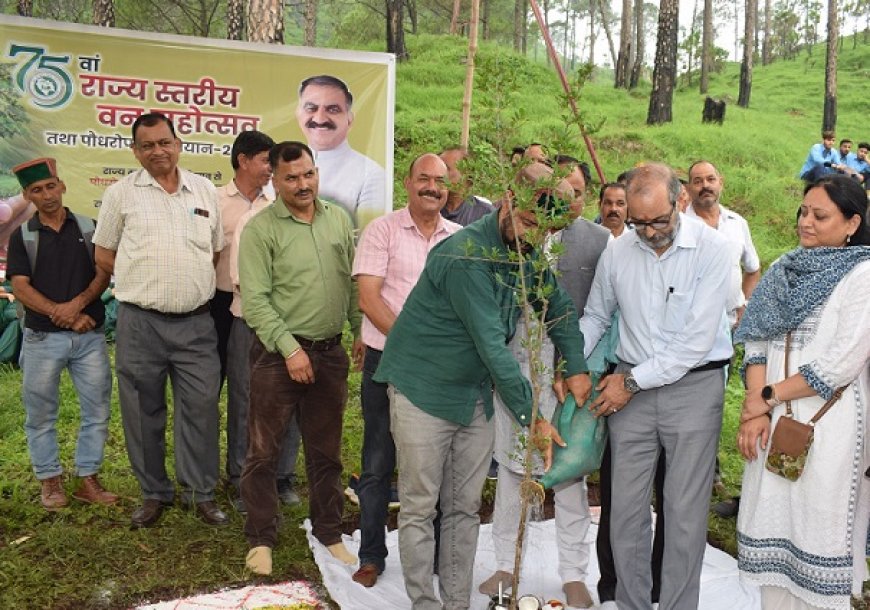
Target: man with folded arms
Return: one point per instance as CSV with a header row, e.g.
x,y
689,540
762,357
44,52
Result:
x,y
51,263
295,261
159,232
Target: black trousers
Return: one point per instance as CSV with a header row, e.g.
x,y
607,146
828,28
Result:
x,y
607,582
219,308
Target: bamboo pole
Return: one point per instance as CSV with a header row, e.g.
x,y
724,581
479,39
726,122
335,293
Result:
x,y
469,74
564,79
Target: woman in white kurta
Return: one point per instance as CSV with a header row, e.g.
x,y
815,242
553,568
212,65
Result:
x,y
805,541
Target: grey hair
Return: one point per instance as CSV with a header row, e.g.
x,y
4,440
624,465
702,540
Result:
x,y
641,178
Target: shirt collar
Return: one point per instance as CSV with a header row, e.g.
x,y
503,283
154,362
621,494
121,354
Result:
x,y
144,178
34,224
282,211
406,221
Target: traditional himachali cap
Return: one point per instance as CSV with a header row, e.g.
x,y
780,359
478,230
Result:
x,y
35,170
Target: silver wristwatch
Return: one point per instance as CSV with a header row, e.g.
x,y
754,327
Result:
x,y
630,384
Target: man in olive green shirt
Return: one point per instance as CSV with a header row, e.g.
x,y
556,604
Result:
x,y
295,261
445,351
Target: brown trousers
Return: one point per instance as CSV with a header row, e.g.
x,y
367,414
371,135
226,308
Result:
x,y
318,408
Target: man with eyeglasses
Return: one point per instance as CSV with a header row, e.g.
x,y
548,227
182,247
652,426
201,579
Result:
x,y
669,279
159,232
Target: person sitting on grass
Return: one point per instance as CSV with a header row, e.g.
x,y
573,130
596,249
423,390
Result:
x,y
822,159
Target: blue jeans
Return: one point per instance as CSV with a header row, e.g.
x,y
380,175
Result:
x,y
43,356
378,463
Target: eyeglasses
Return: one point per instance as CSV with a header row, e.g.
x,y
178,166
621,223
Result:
x,y
149,146
656,225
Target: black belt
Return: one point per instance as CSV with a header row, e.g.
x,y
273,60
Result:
x,y
711,366
318,345
186,314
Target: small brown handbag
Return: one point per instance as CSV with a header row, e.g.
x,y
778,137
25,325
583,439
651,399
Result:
x,y
791,440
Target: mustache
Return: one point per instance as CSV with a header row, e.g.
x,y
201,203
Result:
x,y
428,193
312,124
302,192
708,191
613,215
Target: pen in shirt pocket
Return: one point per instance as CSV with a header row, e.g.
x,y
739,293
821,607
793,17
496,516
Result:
x,y
670,292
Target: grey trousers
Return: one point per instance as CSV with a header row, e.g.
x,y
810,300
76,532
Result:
x,y
685,418
238,399
150,348
437,456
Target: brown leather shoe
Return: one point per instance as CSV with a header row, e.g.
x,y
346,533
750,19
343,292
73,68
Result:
x,y
209,512
367,575
91,491
53,496
148,514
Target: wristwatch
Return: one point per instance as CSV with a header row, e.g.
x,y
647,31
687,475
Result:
x,y
769,396
630,384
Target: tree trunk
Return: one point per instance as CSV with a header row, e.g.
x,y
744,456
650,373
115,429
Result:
x,y
605,22
396,30
469,74
765,45
310,39
706,46
637,68
519,24
235,19
665,70
622,64
546,6
748,52
265,20
104,13
25,8
411,5
592,32
484,18
829,120
454,17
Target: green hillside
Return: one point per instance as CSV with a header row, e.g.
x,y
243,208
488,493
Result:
x,y
759,150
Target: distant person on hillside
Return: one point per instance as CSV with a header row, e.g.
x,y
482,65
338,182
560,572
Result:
x,y
462,207
821,159
857,164
51,263
517,154
537,152
347,177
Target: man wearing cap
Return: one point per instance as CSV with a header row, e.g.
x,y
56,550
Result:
x,y
443,354
51,263
159,232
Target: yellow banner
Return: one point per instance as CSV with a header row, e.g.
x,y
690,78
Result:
x,y
73,92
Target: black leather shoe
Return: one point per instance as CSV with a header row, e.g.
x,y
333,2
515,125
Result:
x,y
209,512
148,514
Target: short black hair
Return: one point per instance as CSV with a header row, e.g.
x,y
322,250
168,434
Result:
x,y
325,80
850,198
250,143
864,145
609,185
845,141
151,119
288,151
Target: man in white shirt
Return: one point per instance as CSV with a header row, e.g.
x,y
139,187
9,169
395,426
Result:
x,y
669,281
705,188
347,177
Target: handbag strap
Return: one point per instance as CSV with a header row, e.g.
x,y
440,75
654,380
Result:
x,y
788,411
828,404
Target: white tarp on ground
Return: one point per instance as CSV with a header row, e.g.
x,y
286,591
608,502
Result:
x,y
721,588
279,595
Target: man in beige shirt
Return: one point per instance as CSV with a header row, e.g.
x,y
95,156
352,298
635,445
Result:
x,y
159,232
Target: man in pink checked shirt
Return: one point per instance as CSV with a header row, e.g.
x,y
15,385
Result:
x,y
389,259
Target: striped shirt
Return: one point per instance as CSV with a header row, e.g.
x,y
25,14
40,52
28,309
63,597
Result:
x,y
392,248
164,243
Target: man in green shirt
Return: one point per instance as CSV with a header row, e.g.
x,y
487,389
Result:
x,y
295,260
443,354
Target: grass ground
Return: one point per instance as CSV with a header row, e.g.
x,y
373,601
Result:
x,y
86,557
